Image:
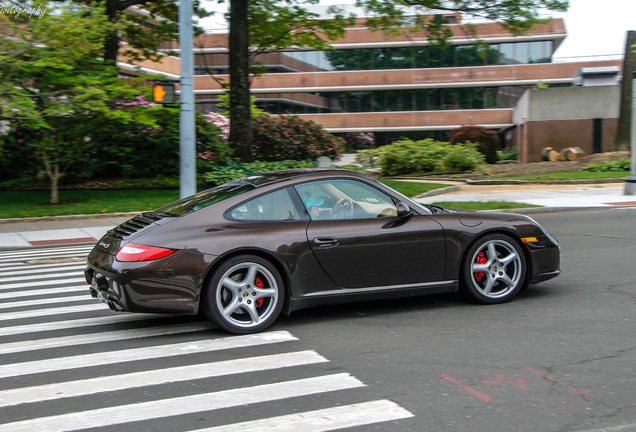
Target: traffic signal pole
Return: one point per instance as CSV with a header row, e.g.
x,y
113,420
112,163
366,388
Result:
x,y
187,133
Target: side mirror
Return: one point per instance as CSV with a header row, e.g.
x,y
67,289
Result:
x,y
403,210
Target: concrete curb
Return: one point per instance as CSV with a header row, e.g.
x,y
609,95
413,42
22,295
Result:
x,y
511,182
68,217
440,191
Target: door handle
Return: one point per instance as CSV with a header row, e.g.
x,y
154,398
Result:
x,y
326,242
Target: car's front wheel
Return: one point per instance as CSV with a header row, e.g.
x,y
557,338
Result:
x,y
245,295
493,270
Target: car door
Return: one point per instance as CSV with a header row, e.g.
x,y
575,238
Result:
x,y
369,245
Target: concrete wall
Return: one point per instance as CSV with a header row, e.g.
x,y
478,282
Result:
x,y
563,117
568,103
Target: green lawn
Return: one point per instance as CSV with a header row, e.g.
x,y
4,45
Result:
x,y
20,204
411,189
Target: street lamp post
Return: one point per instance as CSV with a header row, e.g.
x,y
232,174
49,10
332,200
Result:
x,y
188,181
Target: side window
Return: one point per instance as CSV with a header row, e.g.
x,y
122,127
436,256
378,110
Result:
x,y
274,206
345,199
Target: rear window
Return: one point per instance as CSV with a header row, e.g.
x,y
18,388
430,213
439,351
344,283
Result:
x,y
203,199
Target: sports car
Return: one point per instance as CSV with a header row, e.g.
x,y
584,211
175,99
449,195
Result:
x,y
243,252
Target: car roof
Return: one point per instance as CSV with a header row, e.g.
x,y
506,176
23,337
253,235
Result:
x,y
259,180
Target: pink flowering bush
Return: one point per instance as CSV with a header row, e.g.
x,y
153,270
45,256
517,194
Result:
x,y
221,121
291,138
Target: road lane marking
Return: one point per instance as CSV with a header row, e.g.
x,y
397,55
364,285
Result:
x,y
146,353
44,292
35,270
116,415
156,377
31,277
45,302
108,336
116,318
323,420
42,283
5,316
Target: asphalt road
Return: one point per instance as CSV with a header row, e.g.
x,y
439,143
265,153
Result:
x,y
560,357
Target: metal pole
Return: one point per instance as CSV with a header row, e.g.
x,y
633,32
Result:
x,y
630,182
187,158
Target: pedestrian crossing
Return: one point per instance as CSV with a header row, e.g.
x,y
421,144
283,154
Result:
x,y
68,363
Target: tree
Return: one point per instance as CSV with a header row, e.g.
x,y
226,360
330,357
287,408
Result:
x,y
55,89
271,25
260,26
143,29
623,131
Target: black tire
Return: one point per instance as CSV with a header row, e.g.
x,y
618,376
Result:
x,y
493,269
245,295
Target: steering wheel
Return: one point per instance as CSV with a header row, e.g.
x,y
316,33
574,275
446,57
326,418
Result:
x,y
343,209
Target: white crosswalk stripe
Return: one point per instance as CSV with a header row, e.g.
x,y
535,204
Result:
x,y
43,292
47,276
52,311
60,354
39,283
185,405
43,269
322,420
44,302
158,376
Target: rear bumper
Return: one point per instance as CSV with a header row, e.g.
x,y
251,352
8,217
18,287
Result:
x,y
167,285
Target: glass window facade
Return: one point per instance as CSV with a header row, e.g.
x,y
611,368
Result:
x,y
385,100
389,58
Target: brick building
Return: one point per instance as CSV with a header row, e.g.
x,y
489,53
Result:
x,y
402,86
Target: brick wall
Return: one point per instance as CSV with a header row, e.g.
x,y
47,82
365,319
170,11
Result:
x,y
560,134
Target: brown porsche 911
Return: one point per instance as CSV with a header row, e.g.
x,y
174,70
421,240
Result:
x,y
244,251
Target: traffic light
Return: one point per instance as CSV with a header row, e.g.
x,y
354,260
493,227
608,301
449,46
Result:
x,y
164,93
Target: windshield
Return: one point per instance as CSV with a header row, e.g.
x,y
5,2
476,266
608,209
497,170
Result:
x,y
203,199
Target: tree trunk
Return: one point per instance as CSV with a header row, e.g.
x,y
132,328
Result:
x,y
111,45
625,115
240,112
52,169
55,180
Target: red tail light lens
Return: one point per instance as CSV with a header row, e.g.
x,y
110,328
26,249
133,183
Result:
x,y
136,252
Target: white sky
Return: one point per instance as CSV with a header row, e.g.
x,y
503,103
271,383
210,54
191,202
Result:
x,y
594,27
597,27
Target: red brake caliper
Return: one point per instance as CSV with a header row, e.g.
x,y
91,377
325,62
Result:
x,y
481,259
259,284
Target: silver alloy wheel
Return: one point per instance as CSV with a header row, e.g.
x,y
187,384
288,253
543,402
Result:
x,y
247,295
496,269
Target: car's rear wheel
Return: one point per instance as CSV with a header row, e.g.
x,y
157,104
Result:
x,y
245,295
493,269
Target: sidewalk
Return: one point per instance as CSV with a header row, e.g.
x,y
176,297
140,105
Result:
x,y
56,231
549,196
87,229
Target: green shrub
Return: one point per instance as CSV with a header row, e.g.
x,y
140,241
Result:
x,y
487,141
232,171
369,158
292,138
405,157
619,165
463,158
506,155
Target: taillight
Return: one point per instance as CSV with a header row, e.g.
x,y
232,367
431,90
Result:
x,y
136,252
